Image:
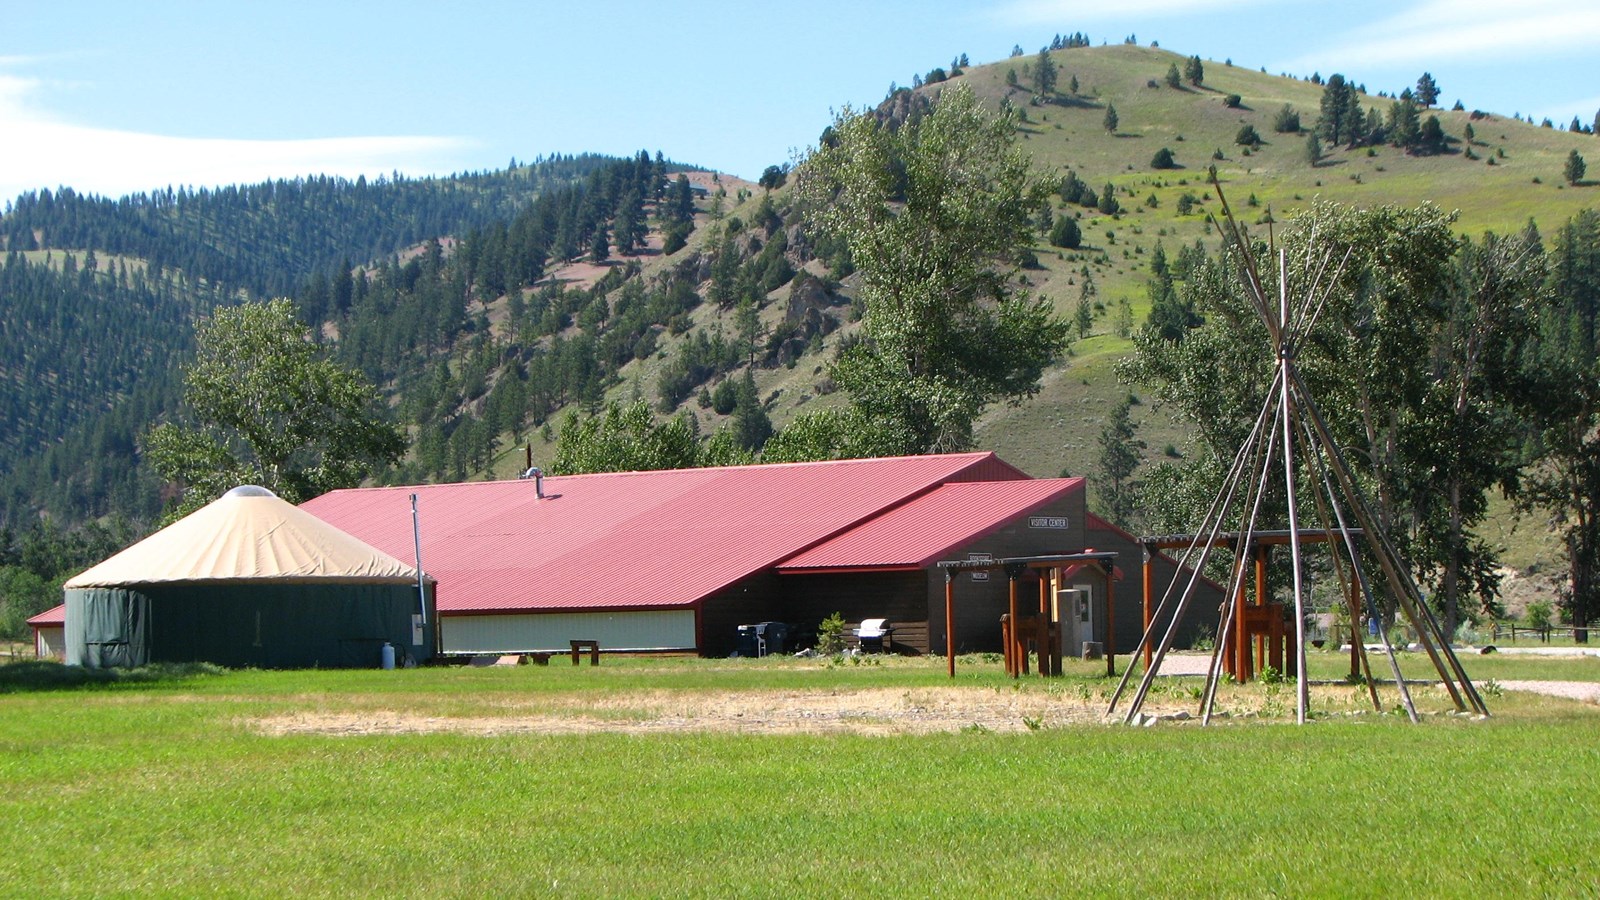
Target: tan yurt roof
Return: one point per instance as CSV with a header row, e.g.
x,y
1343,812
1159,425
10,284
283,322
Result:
x,y
248,534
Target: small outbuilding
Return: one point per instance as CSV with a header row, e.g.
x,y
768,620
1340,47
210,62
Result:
x,y
50,633
249,580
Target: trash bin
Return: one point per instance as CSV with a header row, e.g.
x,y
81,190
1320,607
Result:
x,y
748,642
773,635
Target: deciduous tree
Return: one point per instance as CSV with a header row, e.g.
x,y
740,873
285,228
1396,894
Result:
x,y
265,408
934,214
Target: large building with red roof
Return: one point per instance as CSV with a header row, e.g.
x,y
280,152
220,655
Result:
x,y
678,560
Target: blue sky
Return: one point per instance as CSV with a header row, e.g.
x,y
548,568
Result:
x,y
114,97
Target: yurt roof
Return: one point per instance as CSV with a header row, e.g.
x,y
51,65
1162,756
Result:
x,y
248,534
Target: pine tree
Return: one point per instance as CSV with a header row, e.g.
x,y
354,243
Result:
x,y
1574,168
1313,149
1194,71
1173,78
1120,450
1427,90
1044,74
1110,121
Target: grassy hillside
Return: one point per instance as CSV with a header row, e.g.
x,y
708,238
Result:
x,y
1058,430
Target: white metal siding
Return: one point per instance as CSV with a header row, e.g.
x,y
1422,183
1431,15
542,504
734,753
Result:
x,y
652,630
50,642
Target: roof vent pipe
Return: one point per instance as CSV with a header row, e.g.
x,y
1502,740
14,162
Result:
x,y
537,475
532,471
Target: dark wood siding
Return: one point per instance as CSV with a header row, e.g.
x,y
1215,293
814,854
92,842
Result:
x,y
899,597
980,603
758,598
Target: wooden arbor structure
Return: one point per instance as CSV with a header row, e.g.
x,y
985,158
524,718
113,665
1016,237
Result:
x,y
1291,444
1259,636
1043,627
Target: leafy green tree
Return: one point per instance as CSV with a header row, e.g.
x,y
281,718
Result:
x,y
1044,74
1574,168
1410,362
934,214
265,409
624,438
1194,71
1120,452
1110,120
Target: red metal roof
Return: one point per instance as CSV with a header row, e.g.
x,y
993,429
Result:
x,y
918,533
53,617
636,539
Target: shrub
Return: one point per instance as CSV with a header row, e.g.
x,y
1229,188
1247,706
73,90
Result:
x,y
1163,160
830,635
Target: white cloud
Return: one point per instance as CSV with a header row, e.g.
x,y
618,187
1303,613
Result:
x,y
1435,31
37,150
1036,12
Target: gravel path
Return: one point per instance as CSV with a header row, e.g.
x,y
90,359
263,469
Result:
x,y
1587,691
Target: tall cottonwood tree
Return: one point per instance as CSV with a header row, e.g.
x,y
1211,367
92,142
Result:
x,y
934,214
1409,363
265,408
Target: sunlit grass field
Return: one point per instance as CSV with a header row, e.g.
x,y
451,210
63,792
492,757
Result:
x,y
169,786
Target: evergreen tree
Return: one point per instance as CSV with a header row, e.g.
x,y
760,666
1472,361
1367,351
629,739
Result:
x,y
1110,120
1163,160
1173,78
1287,121
1574,168
1194,71
1566,379
1083,317
1313,149
1108,201
1065,233
1120,452
1044,74
1427,91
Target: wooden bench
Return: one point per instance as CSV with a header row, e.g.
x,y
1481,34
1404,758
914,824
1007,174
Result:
x,y
592,646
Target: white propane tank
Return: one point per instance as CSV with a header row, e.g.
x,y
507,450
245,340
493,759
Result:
x,y
386,656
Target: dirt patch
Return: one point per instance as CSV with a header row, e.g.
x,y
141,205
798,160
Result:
x,y
877,712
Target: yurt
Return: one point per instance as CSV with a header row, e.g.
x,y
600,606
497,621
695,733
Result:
x,y
250,580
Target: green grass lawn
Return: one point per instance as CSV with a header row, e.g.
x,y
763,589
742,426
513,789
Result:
x,y
166,787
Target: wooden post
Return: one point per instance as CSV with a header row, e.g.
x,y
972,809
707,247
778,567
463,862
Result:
x,y
1149,650
1111,616
1261,600
1019,659
950,621
1043,631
